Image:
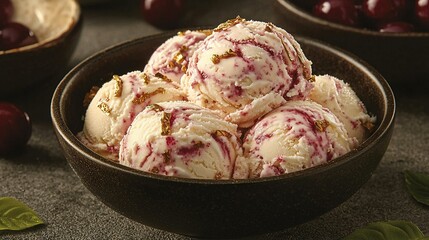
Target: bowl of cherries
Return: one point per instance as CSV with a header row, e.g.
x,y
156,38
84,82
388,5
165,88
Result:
x,y
37,38
392,35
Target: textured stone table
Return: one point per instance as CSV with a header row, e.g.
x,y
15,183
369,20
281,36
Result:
x,y
41,178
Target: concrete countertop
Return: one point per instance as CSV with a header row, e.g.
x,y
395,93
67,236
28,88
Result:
x,y
41,177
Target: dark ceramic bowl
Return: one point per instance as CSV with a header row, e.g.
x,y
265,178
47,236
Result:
x,y
228,208
402,58
57,25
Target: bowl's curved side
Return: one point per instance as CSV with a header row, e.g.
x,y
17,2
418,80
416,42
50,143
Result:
x,y
218,209
401,58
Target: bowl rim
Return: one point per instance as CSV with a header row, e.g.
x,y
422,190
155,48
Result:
x,y
292,7
383,127
75,19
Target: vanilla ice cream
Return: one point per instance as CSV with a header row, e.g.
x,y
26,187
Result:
x,y
340,98
246,69
115,106
181,139
171,58
295,136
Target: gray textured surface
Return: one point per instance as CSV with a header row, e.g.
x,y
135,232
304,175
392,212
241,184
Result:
x,y
41,178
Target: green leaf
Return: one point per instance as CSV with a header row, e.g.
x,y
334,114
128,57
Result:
x,y
15,215
418,186
390,230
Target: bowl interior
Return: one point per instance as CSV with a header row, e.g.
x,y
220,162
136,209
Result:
x,y
49,20
98,69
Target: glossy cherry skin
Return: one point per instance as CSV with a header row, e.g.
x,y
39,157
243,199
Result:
x,y
338,11
396,27
6,11
383,10
422,13
15,35
162,13
15,128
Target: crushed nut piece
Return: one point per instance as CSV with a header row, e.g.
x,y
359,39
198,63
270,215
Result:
x,y
321,125
167,157
229,24
218,175
156,107
144,96
89,96
118,86
222,133
102,105
165,124
145,77
216,58
367,124
163,77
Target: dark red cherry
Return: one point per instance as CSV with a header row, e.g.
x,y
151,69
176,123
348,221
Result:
x,y
422,13
15,128
381,10
6,11
338,11
162,13
396,27
15,35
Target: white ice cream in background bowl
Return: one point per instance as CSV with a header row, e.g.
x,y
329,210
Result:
x,y
115,105
181,139
295,136
171,58
246,69
340,98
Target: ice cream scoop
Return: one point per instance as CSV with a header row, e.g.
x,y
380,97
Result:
x,y
115,105
246,69
171,58
181,139
295,136
340,98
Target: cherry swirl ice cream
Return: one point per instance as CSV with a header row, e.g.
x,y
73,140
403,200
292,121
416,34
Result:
x,y
235,102
115,105
171,58
295,136
340,98
181,139
246,69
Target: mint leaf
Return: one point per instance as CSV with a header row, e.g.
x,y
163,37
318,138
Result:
x,y
418,186
15,215
390,230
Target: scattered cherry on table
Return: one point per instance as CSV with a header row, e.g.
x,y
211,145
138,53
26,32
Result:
x,y
162,13
15,128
